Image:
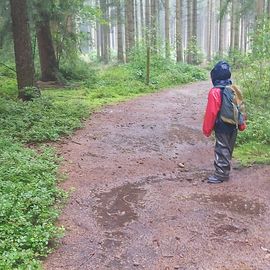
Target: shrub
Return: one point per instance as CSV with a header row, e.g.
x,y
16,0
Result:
x,y
28,194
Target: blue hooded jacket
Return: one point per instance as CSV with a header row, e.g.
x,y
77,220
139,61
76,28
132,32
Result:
x,y
221,77
221,74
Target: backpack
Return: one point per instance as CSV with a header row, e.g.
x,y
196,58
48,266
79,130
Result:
x,y
232,109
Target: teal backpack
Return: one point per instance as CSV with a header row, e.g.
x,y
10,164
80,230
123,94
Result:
x,y
232,109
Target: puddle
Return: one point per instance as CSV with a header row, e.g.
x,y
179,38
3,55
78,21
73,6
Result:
x,y
117,208
233,203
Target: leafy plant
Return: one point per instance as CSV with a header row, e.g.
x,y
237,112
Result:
x,y
28,195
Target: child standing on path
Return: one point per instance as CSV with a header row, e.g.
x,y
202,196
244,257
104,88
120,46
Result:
x,y
223,115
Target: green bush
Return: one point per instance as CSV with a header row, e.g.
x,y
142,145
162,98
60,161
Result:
x,y
28,195
163,72
253,76
78,70
39,120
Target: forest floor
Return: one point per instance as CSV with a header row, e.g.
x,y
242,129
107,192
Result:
x,y
139,198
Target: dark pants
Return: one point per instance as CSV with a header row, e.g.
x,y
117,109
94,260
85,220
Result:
x,y
223,152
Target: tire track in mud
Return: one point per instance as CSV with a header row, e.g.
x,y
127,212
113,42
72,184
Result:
x,y
139,199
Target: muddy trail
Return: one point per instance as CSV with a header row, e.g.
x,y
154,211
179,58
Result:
x,y
139,198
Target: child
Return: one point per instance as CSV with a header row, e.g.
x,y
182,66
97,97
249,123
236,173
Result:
x,y
225,133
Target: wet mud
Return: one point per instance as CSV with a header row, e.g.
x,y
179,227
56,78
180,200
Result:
x,y
139,199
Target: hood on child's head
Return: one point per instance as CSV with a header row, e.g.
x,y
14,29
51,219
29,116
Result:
x,y
221,73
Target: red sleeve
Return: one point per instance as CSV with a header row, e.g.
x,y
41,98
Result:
x,y
212,109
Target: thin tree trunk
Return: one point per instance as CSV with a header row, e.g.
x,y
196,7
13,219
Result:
x,y
209,38
22,46
131,25
104,33
194,28
167,28
189,29
142,20
260,7
154,25
147,22
194,18
178,31
237,25
98,45
136,21
232,26
120,49
221,30
126,32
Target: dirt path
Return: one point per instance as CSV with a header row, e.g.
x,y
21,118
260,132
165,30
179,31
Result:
x,y
133,207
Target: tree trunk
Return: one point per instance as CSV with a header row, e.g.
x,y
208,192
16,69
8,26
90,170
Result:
x,y
142,19
236,25
104,33
221,30
22,46
147,22
232,26
194,19
178,31
194,29
189,29
167,28
154,25
136,21
48,62
131,25
120,51
210,22
260,7
98,45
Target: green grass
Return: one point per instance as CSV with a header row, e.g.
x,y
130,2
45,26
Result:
x,y
28,178
253,153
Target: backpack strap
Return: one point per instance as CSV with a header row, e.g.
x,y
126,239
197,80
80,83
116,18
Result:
x,y
221,87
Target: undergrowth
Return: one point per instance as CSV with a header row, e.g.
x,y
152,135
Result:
x,y
28,195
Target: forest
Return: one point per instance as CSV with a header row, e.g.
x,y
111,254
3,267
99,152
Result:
x,y
63,60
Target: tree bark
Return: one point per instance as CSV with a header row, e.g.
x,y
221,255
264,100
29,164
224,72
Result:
x,y
104,33
236,25
147,22
167,28
260,7
189,29
178,31
131,25
154,17
120,51
136,21
232,26
98,45
221,30
142,20
22,46
209,36
48,62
